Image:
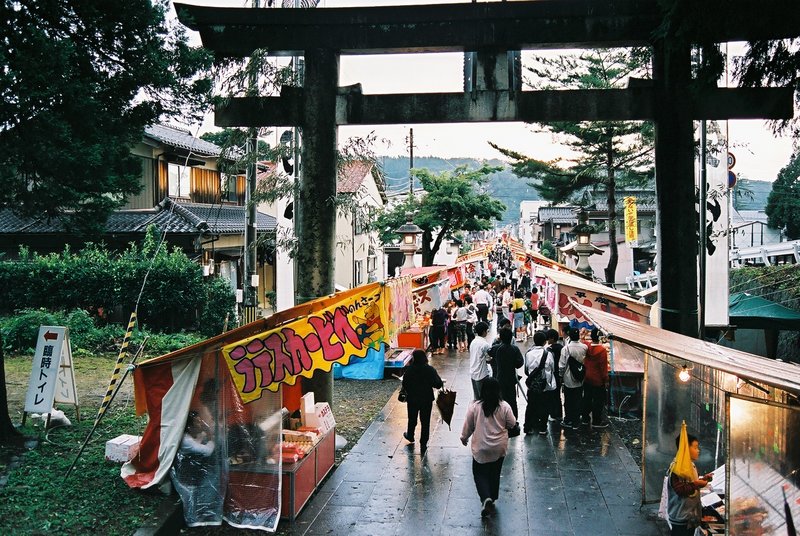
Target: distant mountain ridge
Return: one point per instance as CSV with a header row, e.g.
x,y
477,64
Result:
x,y
511,190
751,194
504,185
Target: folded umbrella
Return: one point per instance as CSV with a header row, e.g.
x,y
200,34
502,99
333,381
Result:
x,y
446,402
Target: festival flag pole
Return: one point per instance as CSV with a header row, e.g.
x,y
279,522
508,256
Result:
x,y
113,386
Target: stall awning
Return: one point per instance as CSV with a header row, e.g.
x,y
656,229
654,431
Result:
x,y
592,295
541,260
751,367
754,312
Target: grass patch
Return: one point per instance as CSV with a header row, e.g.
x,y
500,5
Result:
x,y
94,499
37,499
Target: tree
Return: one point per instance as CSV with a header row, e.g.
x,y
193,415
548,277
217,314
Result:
x,y
783,203
8,434
610,154
548,250
450,204
80,82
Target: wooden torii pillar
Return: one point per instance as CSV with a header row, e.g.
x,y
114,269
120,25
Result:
x,y
323,34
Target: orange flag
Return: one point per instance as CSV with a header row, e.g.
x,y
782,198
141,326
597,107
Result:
x,y
682,466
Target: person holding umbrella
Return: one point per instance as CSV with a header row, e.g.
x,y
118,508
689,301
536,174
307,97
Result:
x,y
419,381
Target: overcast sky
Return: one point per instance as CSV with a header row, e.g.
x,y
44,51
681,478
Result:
x,y
759,155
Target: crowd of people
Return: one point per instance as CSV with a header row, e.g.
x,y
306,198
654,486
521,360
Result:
x,y
453,326
565,375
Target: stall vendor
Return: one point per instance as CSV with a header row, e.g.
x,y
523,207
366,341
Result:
x,y
684,508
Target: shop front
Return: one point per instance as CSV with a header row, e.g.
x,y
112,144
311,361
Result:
x,y
744,410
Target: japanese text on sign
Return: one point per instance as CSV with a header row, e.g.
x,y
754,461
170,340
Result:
x,y
334,335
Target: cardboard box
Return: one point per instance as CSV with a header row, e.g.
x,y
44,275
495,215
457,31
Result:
x,y
122,448
322,418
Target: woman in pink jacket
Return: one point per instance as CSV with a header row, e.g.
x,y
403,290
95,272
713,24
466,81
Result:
x,y
488,420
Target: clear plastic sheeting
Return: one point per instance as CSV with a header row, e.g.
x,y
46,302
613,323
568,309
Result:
x,y
764,467
228,464
669,402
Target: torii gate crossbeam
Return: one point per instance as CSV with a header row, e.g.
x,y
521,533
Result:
x,y
322,35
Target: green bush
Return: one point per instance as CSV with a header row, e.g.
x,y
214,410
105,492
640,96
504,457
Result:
x,y
20,331
164,343
171,291
218,305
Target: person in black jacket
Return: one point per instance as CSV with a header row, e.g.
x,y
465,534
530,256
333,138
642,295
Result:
x,y
506,359
438,326
419,381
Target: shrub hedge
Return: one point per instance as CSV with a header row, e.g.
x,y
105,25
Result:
x,y
174,297
20,332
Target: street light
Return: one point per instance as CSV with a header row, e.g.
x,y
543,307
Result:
x,y
408,246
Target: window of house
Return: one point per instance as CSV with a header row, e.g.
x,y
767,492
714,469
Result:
x,y
358,273
179,177
227,187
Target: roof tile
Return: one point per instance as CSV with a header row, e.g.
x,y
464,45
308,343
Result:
x,y
178,137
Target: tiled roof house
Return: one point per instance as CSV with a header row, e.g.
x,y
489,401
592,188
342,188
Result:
x,y
183,193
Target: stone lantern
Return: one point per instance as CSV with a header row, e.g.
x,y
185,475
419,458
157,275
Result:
x,y
584,248
408,246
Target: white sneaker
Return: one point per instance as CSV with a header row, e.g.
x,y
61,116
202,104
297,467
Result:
x,y
487,507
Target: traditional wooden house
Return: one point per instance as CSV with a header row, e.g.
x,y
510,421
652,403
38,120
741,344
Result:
x,y
183,194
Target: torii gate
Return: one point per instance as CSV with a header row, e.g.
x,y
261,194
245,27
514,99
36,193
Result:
x,y
491,29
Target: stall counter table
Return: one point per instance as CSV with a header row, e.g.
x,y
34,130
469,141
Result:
x,y
299,480
414,337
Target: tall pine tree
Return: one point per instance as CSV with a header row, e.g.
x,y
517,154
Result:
x,y
608,154
79,83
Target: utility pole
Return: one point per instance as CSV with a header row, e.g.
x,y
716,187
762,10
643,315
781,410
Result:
x,y
410,162
249,264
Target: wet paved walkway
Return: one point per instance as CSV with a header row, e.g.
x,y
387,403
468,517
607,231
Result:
x,y
574,482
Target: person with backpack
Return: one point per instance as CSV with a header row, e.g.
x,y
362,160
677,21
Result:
x,y
518,310
505,360
555,346
541,382
572,372
534,300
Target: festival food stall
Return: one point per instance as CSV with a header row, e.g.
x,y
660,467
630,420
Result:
x,y
219,424
743,408
560,289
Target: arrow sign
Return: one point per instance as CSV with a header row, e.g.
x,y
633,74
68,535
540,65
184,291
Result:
x,y
50,336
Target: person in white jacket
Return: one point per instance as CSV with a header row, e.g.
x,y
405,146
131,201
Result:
x,y
575,351
539,360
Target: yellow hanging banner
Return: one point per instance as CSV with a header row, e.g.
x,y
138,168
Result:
x,y
343,330
631,223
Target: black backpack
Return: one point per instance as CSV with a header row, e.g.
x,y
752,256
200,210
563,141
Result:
x,y
577,369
